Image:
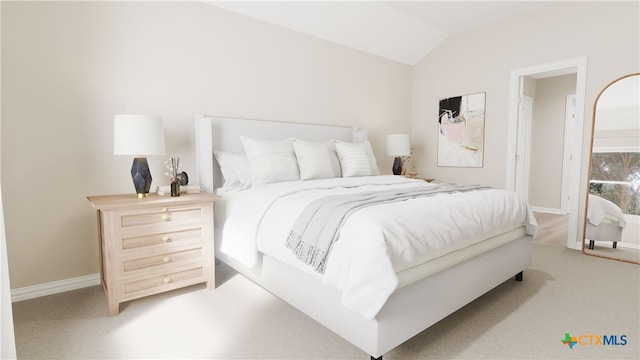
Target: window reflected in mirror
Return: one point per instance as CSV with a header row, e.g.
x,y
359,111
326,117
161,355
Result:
x,y
615,176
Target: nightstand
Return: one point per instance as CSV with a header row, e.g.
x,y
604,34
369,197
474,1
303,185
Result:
x,y
154,244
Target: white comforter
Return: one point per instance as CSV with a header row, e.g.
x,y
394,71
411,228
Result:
x,y
375,242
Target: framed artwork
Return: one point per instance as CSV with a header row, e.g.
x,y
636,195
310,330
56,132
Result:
x,y
461,131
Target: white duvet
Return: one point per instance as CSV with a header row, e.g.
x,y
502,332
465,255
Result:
x,y
375,242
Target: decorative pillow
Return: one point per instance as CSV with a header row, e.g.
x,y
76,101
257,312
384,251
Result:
x,y
372,158
271,160
356,159
235,169
317,160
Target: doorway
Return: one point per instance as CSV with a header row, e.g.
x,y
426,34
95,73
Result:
x,y
519,138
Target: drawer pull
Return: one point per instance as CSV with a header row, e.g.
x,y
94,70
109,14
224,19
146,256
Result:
x,y
165,209
166,259
166,217
167,280
166,238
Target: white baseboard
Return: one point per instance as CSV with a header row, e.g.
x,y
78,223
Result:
x,y
548,210
54,287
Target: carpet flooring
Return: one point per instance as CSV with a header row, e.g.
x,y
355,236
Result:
x,y
563,292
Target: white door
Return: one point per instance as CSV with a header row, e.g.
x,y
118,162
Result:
x,y
523,152
570,138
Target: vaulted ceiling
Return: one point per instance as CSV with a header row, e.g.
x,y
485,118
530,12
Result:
x,y
403,31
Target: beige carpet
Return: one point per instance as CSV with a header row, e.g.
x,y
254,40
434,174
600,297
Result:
x,y
564,291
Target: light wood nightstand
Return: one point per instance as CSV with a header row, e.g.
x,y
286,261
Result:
x,y
153,244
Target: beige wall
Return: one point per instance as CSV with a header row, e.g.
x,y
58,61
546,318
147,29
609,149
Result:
x,y
481,60
547,140
7,339
68,67
529,86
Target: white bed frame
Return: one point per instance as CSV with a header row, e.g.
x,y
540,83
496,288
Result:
x,y
409,310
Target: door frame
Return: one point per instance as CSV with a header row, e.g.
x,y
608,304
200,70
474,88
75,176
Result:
x,y
569,66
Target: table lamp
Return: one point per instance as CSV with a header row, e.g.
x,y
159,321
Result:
x,y
398,145
138,135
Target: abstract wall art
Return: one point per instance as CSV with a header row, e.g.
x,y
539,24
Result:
x,y
461,131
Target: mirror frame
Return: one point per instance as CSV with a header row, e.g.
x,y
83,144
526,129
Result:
x,y
586,206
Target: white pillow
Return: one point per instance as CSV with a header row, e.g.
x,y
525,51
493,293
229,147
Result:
x,y
271,160
235,169
317,160
357,159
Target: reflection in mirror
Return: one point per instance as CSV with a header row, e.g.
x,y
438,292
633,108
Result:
x,y
612,224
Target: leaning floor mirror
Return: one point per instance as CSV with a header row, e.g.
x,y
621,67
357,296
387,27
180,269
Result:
x,y
612,221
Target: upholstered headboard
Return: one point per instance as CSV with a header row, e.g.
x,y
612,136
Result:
x,y
220,133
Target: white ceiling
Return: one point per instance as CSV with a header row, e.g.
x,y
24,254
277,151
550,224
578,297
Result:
x,y
404,31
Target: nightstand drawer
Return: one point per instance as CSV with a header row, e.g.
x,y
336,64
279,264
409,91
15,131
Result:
x,y
161,215
173,237
160,282
163,259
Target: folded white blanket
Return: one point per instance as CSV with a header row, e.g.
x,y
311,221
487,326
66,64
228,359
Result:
x,y
317,227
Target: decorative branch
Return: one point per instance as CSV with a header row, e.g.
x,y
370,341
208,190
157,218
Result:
x,y
173,165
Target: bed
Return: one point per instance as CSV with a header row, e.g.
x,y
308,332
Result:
x,y
605,222
419,291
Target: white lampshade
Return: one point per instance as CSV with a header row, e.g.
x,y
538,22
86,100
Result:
x,y
398,145
138,135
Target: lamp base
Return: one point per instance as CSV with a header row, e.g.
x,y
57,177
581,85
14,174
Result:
x,y
397,166
141,176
